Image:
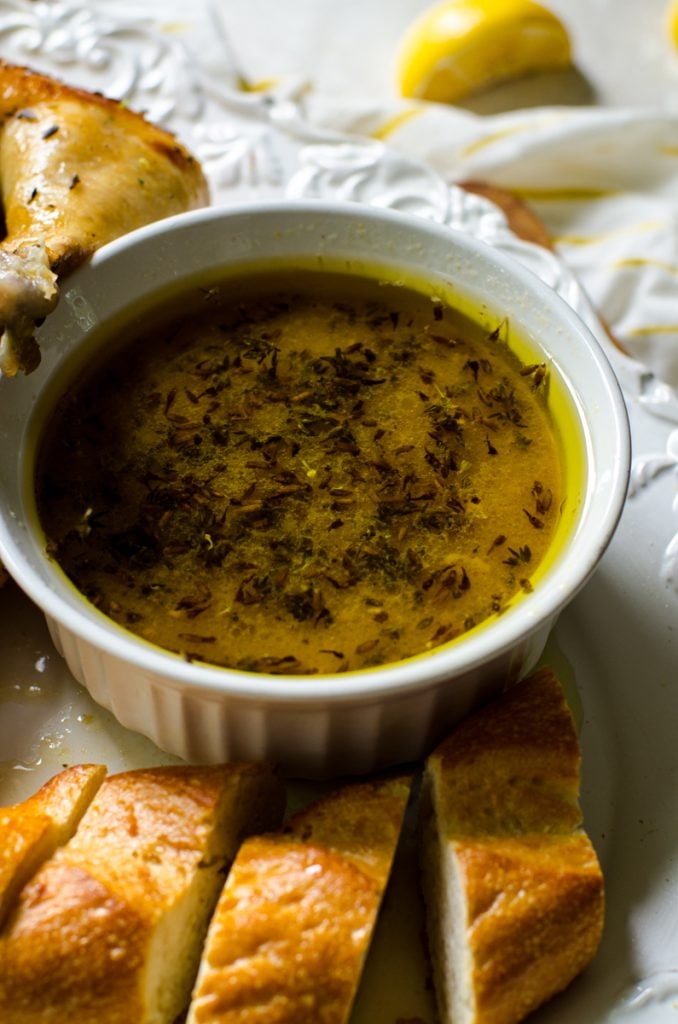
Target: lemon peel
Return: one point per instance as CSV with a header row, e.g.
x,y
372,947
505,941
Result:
x,y
672,22
460,47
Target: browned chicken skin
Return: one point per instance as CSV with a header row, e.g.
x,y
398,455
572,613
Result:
x,y
76,171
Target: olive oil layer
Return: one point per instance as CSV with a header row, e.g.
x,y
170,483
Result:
x,y
306,474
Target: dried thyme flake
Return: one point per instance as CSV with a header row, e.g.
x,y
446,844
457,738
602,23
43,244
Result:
x,y
500,332
537,371
533,520
196,638
522,554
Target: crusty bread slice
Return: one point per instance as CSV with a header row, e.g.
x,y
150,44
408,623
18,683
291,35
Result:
x,y
293,925
110,929
31,831
513,888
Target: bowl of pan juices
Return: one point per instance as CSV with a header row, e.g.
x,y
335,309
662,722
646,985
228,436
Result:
x,y
304,555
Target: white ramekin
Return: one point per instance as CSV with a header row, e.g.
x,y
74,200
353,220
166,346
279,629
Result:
x,y
323,725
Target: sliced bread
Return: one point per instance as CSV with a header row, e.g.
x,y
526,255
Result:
x,y
513,888
292,928
31,831
110,929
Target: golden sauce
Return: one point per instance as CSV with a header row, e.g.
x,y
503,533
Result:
x,y
306,473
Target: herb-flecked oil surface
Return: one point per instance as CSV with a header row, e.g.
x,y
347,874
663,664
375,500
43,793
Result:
x,y
304,473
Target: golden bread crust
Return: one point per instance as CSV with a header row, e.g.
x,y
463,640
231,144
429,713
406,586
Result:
x,y
535,917
66,796
110,929
289,937
32,830
148,830
73,950
513,888
514,767
362,822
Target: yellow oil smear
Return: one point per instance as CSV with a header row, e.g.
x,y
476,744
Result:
x,y
565,195
503,133
671,22
641,227
641,261
648,329
265,85
489,140
579,239
395,122
175,27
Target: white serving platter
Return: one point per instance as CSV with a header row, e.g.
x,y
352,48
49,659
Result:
x,y
616,646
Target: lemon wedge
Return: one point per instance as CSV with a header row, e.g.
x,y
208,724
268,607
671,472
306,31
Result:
x,y
462,46
672,22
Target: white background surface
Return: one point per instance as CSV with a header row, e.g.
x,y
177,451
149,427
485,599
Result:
x,y
617,646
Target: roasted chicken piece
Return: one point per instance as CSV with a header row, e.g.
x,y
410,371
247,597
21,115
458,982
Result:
x,y
76,170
